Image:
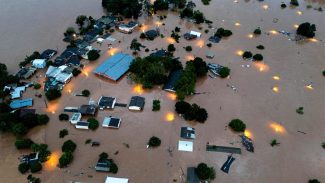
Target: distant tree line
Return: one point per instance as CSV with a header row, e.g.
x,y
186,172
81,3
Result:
x,y
127,8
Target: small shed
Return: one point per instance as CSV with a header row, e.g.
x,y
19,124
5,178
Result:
x,y
106,102
103,165
137,103
116,180
82,125
111,122
185,146
39,63
89,110
75,118
210,55
191,176
197,34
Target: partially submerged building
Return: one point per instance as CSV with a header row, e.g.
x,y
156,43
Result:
x,y
103,165
185,146
57,77
39,63
172,80
75,118
16,104
17,92
128,27
32,157
88,110
111,122
187,133
191,176
137,103
106,102
82,125
115,67
152,34
26,72
116,180
48,54
192,35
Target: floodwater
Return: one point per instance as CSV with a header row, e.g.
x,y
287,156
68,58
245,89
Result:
x,y
288,66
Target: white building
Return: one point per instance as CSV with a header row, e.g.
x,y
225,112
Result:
x,y
75,118
197,34
116,180
82,125
185,146
111,122
39,63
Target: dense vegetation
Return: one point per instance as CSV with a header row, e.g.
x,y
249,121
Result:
x,y
196,15
237,125
151,71
30,58
68,148
127,8
221,32
204,172
5,79
191,112
53,94
93,55
186,84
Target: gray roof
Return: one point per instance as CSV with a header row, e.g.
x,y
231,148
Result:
x,y
103,165
115,67
106,102
188,133
88,110
191,175
137,101
82,123
112,122
172,80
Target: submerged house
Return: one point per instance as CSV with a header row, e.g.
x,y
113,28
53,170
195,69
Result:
x,y
111,122
32,157
128,28
16,92
88,110
103,165
191,176
16,104
114,67
105,22
106,103
48,54
172,80
75,118
152,34
26,72
188,133
116,180
137,103
160,53
82,125
39,63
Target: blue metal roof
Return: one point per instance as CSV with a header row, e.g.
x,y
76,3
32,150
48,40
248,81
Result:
x,y
16,104
114,67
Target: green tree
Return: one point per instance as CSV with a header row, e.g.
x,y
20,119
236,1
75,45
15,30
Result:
x,y
258,31
188,48
237,125
113,168
160,5
127,8
93,123
313,181
201,68
198,17
247,55
65,159
294,2
35,167
181,107
135,45
37,86
63,117
63,133
19,129
53,94
103,155
204,172
306,29
258,57
171,48
23,168
260,47
42,119
75,72
80,20
85,93
93,55
224,72
70,31
143,35
156,105
154,142
69,146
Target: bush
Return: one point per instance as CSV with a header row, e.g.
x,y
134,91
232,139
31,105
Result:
x,y
204,172
177,29
63,133
209,45
198,17
160,5
93,123
85,93
65,159
306,29
224,72
75,72
23,168
43,152
237,125
35,167
63,117
294,2
103,155
274,142
324,73
32,179
300,110
23,143
283,5
69,146
258,57
201,115
142,35
260,47
154,142
37,86
258,31
171,48
206,2
247,55
42,119
191,112
313,181
19,129
93,55
156,105
200,67
53,94
188,48
221,32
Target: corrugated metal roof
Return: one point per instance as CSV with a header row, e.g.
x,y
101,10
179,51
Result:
x,y
115,67
16,104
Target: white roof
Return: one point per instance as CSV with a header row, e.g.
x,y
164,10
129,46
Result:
x,y
17,92
63,77
39,61
198,34
116,180
185,146
100,40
